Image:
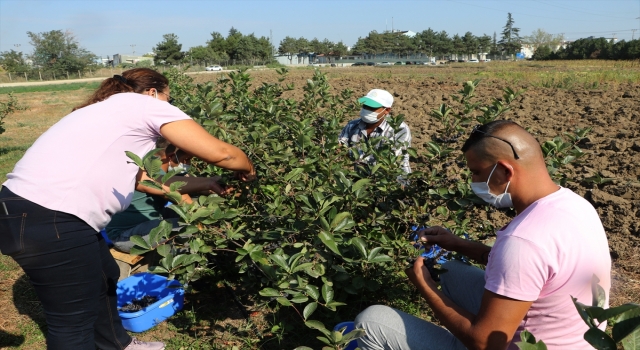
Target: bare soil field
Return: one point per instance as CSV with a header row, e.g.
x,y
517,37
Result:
x,y
559,98
612,109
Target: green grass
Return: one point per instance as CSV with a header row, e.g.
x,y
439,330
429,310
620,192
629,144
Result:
x,y
49,88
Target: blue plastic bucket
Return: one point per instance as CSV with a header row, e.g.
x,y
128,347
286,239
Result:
x,y
170,300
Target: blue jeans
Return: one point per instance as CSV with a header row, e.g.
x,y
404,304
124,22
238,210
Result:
x,y
71,269
391,329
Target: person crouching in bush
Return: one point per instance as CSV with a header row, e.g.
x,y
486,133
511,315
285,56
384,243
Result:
x,y
148,206
546,255
372,124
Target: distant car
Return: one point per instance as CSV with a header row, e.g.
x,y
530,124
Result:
x,y
371,63
487,60
399,63
213,68
473,60
409,62
386,64
358,64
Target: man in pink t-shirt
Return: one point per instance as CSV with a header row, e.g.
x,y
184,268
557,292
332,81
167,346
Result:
x,y
546,255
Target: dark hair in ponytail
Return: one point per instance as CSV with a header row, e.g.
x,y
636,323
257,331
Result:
x,y
136,80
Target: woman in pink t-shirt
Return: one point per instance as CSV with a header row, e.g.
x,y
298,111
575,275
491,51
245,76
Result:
x,y
50,214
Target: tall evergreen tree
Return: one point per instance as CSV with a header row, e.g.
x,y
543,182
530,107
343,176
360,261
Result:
x,y
510,42
168,51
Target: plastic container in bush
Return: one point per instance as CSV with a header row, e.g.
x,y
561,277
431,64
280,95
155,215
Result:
x,y
170,296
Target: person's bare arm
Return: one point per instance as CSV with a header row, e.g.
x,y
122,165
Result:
x,y
192,184
195,140
444,238
493,327
142,175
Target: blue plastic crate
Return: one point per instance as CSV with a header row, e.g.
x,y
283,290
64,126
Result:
x,y
170,296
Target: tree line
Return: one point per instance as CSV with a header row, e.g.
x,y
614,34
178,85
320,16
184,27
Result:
x,y
591,48
58,53
236,47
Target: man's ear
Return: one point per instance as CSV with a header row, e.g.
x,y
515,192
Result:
x,y
506,170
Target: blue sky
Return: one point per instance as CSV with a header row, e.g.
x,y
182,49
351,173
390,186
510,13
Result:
x,y
109,27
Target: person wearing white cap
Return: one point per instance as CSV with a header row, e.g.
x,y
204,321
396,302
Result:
x,y
376,106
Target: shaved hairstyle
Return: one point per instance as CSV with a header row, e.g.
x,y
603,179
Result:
x,y
503,139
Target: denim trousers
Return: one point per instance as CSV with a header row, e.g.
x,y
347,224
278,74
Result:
x,y
70,267
392,329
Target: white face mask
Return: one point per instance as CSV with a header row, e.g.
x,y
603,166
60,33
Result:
x,y
368,116
481,189
181,168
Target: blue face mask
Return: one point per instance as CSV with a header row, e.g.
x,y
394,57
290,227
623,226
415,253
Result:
x,y
481,189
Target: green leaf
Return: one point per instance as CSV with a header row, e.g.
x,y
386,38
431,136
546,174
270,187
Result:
x,y
324,224
139,241
280,260
160,233
299,298
135,250
360,245
301,267
329,242
599,339
616,311
164,250
360,184
293,174
528,342
175,197
381,258
313,291
151,184
269,292
373,253
632,341
135,158
327,293
354,334
158,269
313,324
283,301
340,217
309,309
175,186
626,324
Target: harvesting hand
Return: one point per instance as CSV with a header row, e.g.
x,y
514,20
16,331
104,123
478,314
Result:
x,y
419,274
216,187
246,176
440,236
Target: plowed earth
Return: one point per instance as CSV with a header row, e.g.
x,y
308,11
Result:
x,y
612,147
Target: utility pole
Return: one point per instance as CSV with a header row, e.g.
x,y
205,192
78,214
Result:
x,y
133,48
633,32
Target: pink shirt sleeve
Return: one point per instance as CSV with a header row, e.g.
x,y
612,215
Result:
x,y
517,269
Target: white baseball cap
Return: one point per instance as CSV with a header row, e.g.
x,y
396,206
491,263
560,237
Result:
x,y
377,98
